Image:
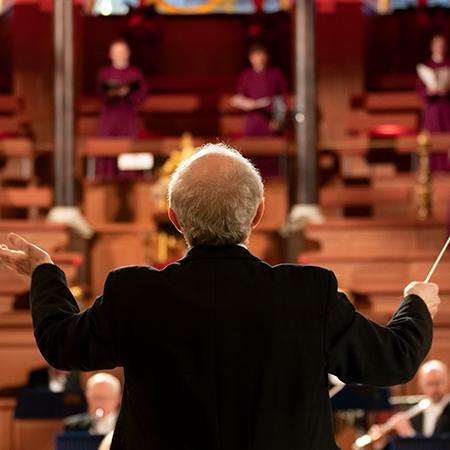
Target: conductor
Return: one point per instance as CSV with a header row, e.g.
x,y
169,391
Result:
x,y
222,351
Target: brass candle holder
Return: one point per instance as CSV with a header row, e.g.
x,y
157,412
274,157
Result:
x,y
423,187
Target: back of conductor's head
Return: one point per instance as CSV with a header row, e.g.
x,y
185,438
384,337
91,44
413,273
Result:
x,y
216,197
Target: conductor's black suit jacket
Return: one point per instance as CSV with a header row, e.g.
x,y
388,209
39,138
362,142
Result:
x,y
222,351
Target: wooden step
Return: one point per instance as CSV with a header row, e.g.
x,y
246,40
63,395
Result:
x,y
16,147
363,195
393,101
27,197
377,236
360,121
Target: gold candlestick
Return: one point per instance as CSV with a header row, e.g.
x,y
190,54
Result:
x,y
423,188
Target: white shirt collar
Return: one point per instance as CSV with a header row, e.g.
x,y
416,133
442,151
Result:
x,y
104,425
432,413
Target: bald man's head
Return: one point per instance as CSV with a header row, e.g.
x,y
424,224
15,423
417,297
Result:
x,y
215,197
103,394
433,379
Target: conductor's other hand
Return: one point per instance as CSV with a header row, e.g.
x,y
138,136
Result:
x,y
428,292
22,256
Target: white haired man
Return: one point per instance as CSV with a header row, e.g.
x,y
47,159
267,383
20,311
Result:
x,y
103,393
435,420
221,350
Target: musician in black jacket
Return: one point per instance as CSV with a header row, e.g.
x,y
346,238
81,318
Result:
x,y
434,420
103,399
222,351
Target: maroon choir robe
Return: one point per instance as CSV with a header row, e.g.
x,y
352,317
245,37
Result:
x,y
436,116
269,83
119,115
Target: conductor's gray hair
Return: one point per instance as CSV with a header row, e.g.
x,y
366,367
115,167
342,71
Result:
x,y
217,209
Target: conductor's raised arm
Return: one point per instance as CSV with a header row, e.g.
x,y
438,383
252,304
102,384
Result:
x,y
67,338
361,351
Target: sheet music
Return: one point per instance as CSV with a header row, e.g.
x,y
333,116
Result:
x,y
434,78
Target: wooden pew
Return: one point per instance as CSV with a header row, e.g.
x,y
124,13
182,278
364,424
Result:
x,y
20,156
13,285
381,280
231,124
360,121
170,103
385,201
166,103
231,119
362,195
10,104
89,106
164,146
100,197
101,147
16,147
28,197
375,259
36,434
439,142
12,126
360,145
86,126
32,199
349,146
264,146
156,109
18,351
393,101
7,406
440,190
54,238
356,236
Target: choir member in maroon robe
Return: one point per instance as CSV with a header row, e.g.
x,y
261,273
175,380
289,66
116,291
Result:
x,y
121,88
261,94
436,114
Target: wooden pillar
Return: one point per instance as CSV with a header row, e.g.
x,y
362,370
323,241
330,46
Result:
x,y
305,102
64,143
65,210
305,208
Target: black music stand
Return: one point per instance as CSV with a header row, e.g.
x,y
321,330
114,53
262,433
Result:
x,y
78,441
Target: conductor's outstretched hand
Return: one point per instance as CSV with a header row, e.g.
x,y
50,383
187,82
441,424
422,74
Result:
x,y
428,292
22,256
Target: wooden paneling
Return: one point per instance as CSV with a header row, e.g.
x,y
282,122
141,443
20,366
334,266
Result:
x,y
119,245
36,434
7,406
340,65
375,259
18,351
